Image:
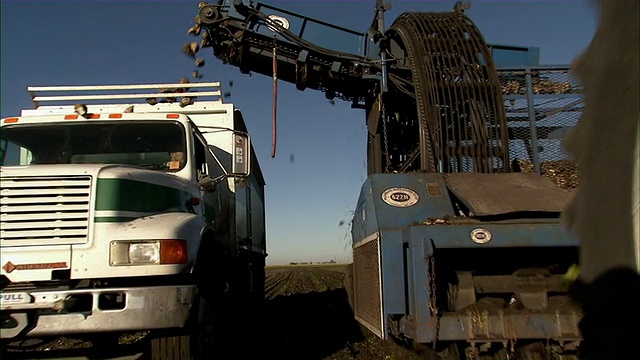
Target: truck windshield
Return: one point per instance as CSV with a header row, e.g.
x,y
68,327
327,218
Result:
x,y
151,144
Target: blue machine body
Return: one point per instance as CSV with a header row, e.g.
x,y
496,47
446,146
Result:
x,y
406,237
408,228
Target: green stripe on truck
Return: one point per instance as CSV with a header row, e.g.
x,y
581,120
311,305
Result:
x,y
106,219
137,196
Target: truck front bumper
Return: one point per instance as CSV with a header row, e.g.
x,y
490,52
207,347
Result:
x,y
55,312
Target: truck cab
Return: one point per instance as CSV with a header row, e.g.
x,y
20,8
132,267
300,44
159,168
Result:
x,y
113,213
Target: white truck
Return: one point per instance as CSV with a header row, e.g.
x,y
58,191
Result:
x,y
132,210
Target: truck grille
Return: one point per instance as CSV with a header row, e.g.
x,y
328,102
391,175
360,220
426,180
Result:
x,y
368,285
44,210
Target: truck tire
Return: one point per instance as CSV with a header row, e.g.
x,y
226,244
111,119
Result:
x,y
170,348
195,342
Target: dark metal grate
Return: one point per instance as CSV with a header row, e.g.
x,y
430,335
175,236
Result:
x,y
368,285
44,210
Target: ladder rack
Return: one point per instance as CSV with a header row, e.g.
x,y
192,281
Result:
x,y
52,94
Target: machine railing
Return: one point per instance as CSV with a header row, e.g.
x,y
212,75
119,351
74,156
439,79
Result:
x,y
318,32
541,103
59,95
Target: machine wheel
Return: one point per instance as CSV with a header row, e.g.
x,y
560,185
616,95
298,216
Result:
x,y
209,14
456,91
196,342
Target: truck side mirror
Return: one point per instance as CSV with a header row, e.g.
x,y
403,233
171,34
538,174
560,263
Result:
x,y
241,161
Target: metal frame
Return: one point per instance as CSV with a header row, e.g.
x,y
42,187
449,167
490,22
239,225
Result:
x,y
533,111
305,20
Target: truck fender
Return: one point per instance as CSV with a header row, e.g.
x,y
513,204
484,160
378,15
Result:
x,y
171,225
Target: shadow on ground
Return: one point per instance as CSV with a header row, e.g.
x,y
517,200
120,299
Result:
x,y
309,326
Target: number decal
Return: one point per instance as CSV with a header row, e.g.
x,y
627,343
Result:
x,y
480,235
400,197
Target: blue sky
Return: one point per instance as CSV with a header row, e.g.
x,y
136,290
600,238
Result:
x,y
310,199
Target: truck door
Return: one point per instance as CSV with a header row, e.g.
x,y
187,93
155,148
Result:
x,y
216,202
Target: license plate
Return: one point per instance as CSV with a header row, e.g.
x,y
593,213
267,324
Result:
x,y
15,298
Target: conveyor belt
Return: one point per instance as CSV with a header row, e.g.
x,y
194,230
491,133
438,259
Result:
x,y
443,111
459,107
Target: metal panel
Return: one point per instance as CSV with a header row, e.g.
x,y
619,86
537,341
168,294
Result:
x,y
556,323
419,323
495,194
364,219
368,284
506,235
433,203
512,55
393,273
45,210
506,283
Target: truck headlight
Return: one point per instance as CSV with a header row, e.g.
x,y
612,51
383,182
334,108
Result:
x,y
147,253
152,252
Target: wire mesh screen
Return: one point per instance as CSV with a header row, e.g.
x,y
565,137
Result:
x,y
368,285
541,105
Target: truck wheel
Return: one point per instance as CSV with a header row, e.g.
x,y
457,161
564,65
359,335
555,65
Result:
x,y
195,343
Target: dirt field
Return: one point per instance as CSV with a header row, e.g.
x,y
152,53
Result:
x,y
310,318
306,317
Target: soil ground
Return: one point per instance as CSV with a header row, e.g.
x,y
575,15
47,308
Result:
x,y
306,317
309,310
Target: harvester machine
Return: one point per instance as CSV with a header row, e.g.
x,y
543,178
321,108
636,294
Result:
x,y
457,242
